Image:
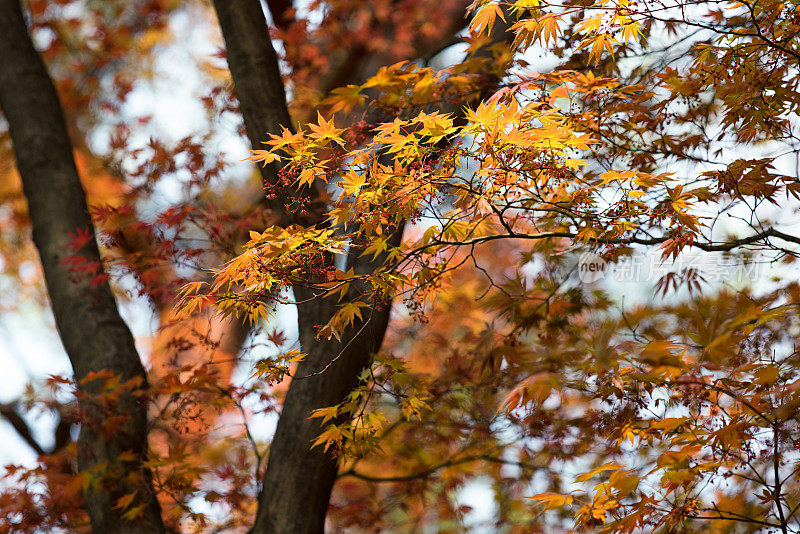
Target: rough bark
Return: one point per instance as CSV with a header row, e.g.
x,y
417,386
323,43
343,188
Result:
x,y
91,329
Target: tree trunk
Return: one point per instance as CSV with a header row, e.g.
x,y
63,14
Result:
x,y
89,324
298,482
259,86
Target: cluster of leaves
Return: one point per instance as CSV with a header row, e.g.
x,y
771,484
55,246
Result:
x,y
675,415
685,416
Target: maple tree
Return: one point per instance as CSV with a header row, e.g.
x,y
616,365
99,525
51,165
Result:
x,y
455,198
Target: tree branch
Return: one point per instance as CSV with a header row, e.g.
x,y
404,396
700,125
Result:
x,y
9,413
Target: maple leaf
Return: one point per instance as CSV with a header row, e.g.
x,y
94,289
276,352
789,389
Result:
x,y
552,501
80,239
263,156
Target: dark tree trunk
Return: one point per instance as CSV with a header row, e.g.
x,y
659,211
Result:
x,y
89,324
262,99
298,482
254,66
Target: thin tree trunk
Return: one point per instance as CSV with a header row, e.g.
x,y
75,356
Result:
x,y
259,87
91,329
